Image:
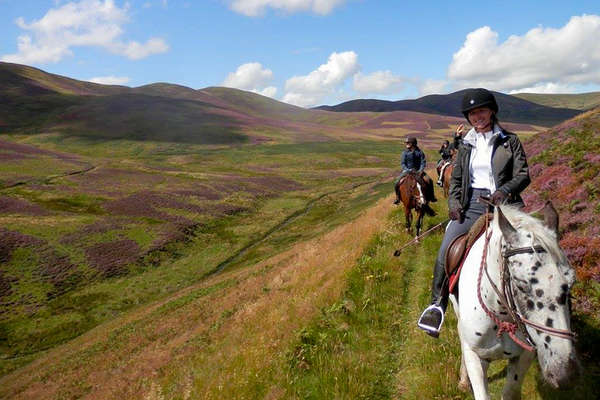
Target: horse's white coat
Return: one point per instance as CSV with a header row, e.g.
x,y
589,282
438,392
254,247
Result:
x,y
540,283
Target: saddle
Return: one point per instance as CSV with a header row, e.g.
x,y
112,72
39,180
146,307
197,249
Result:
x,y
459,248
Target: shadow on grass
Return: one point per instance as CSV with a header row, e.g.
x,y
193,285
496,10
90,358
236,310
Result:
x,y
588,384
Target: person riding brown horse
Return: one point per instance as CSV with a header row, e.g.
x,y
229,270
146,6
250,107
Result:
x,y
413,160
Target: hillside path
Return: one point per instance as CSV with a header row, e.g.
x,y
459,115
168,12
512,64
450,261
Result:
x,y
234,321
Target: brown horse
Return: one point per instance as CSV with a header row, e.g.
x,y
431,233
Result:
x,y
412,196
445,179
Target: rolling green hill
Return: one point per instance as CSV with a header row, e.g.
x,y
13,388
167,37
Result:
x,y
581,101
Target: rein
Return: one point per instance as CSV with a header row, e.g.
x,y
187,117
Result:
x,y
506,297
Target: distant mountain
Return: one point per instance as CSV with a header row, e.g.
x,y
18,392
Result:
x,y
580,101
33,101
512,109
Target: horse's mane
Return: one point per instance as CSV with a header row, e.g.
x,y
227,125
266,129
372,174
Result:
x,y
542,235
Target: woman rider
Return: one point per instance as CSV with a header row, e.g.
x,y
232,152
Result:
x,y
490,161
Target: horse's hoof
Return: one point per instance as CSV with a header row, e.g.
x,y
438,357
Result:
x,y
397,253
464,387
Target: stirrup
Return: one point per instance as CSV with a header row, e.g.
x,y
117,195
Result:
x,y
428,321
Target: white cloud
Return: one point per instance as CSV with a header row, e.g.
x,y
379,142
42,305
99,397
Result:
x,y
253,8
269,91
110,80
86,23
542,58
379,82
309,90
433,86
253,77
547,88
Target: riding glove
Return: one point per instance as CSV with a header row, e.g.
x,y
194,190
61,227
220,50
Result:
x,y
499,197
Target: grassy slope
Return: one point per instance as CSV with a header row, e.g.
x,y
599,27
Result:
x,y
582,101
565,168
112,259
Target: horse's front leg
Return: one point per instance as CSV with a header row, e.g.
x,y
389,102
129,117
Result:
x,y
477,370
515,373
419,221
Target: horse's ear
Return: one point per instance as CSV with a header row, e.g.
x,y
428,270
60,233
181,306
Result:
x,y
508,231
550,217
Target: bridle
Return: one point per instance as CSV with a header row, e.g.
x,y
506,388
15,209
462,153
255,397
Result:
x,y
506,298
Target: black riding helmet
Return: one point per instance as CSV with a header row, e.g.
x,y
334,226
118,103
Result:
x,y
412,140
475,98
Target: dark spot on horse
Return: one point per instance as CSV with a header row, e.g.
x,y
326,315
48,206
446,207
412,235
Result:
x,y
507,353
499,302
516,377
540,305
538,264
518,263
552,307
478,333
503,312
539,292
549,322
548,339
533,281
495,327
562,299
546,345
530,304
534,268
564,287
529,235
522,289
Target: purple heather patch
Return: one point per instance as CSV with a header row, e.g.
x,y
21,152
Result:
x,y
11,205
11,240
111,259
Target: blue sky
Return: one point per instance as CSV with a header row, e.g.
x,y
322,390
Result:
x,y
312,52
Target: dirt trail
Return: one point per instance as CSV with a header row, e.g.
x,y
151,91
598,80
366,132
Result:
x,y
220,329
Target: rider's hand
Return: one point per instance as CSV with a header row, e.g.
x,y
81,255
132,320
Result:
x,y
460,129
499,197
455,214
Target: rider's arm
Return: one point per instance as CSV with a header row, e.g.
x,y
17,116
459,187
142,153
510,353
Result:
x,y
404,163
423,162
455,190
520,171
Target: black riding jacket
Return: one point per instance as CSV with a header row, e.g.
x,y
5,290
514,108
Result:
x,y
509,168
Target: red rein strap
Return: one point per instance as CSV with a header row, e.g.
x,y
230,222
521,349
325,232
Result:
x,y
503,326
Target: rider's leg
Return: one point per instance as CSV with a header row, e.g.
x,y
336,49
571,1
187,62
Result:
x,y
432,318
396,189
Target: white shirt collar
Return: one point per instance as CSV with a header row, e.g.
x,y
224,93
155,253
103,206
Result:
x,y
471,136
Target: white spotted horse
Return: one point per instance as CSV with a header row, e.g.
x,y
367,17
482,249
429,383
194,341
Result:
x,y
513,302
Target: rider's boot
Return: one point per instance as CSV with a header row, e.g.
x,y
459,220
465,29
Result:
x,y
432,318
